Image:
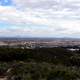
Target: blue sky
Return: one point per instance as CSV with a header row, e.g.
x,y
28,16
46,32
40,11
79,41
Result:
x,y
5,2
40,18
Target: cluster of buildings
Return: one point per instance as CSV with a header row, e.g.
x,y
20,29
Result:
x,y
40,44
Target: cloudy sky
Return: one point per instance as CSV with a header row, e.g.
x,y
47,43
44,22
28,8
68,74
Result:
x,y
40,18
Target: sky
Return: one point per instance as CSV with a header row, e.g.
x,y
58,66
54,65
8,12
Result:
x,y
40,18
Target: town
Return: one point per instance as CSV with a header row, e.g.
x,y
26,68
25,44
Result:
x,y
40,43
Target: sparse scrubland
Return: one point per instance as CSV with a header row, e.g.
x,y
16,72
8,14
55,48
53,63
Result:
x,y
39,64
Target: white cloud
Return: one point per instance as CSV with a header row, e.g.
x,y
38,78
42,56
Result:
x,y
59,16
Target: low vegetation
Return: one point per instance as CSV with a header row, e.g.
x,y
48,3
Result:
x,y
39,64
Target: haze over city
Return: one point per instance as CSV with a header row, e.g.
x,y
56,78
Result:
x,y
40,18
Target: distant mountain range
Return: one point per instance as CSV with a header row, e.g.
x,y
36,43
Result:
x,y
36,38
